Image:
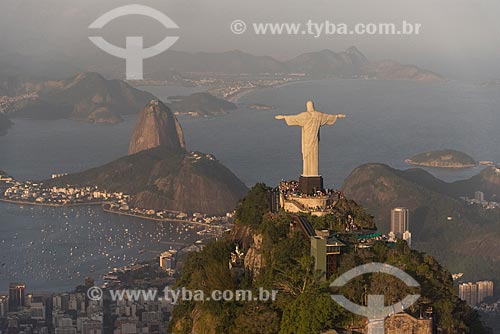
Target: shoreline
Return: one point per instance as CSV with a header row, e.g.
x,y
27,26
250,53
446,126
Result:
x,y
163,220
49,204
423,164
236,98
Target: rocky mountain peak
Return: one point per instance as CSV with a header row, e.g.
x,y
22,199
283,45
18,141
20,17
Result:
x,y
156,126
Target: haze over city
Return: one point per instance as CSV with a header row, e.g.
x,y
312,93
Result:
x,y
459,38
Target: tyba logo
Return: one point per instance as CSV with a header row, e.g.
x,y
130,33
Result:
x,y
375,309
134,52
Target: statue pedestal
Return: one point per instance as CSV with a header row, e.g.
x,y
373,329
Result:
x,y
310,184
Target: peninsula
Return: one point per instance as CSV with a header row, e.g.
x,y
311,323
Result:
x,y
85,97
158,180
159,174
200,104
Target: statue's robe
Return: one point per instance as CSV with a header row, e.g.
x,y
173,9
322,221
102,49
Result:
x,y
310,121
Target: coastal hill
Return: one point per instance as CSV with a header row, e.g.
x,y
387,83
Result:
x,y
5,124
160,174
462,236
264,252
200,104
87,97
172,65
393,70
156,126
327,62
166,179
443,159
353,63
487,181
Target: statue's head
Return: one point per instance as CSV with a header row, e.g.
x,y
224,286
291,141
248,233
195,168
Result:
x,y
310,106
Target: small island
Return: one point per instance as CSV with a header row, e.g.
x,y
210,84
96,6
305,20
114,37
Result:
x,y
259,106
443,159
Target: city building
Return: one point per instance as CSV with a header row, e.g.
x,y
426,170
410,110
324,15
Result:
x,y
468,293
403,323
479,196
4,305
16,296
407,237
65,330
475,293
168,260
88,326
60,302
38,309
484,290
125,326
326,249
324,246
400,222
153,316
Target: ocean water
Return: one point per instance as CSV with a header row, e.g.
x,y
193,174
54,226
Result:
x,y
386,122
54,249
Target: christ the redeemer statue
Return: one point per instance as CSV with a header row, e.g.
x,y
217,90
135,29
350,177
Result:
x,y
311,121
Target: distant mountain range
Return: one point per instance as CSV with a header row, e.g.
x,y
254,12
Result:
x,y
229,62
321,64
463,236
87,97
160,174
171,65
92,98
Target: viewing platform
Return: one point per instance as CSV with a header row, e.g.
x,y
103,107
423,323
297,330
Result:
x,y
291,199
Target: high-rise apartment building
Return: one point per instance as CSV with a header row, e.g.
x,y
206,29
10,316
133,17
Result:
x,y
400,222
475,293
484,289
16,296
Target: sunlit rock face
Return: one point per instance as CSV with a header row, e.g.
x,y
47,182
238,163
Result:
x,y
156,126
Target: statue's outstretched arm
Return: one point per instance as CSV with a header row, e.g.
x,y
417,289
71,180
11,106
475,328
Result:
x,y
292,119
328,119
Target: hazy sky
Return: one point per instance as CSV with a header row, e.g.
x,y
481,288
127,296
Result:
x,y
460,38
